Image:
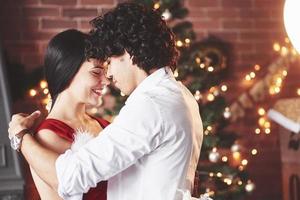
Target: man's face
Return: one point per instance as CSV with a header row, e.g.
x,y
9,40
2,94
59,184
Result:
x,y
123,73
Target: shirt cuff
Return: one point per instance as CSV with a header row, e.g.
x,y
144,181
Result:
x,y
63,171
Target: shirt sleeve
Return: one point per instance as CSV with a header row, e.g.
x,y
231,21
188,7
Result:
x,y
134,133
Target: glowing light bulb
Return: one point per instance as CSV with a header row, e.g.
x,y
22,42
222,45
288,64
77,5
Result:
x,y
261,111
43,84
32,92
254,152
276,46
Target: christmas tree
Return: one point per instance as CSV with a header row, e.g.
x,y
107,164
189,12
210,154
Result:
x,y
202,67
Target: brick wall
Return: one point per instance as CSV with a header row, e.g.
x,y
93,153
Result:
x,y
250,26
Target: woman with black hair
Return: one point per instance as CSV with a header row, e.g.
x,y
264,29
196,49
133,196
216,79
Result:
x,y
74,81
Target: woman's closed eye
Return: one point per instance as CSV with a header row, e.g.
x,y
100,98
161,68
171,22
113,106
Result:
x,y
97,72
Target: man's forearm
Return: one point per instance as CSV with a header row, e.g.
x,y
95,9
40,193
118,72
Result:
x,y
42,160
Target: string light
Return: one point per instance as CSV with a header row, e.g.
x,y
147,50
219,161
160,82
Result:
x,y
210,69
261,121
284,73
257,131
267,131
276,47
197,95
248,77
224,158
284,51
187,40
198,60
298,91
46,91
236,155
227,113
202,66
179,43
240,182
156,6
249,186
210,97
219,174
252,75
122,94
261,111
43,84
209,128
254,152
244,162
256,67
224,88
32,92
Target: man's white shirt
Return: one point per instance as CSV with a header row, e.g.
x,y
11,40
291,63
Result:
x,y
149,151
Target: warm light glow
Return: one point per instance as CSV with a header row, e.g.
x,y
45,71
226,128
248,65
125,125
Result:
x,y
257,67
187,40
298,91
209,128
241,168
224,88
267,124
224,158
211,174
236,155
284,51
240,182
198,60
276,46
267,131
228,181
43,84
278,81
210,97
252,74
210,69
257,131
45,91
122,94
284,73
206,132
287,40
244,162
219,174
277,90
32,92
290,15
247,77
261,121
156,6
254,152
261,111
202,65
179,43
197,95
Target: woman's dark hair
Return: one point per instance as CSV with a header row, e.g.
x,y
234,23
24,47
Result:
x,y
64,56
138,30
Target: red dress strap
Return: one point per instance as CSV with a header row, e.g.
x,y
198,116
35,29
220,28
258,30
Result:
x,y
59,128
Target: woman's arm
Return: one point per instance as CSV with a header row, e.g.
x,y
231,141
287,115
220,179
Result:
x,y
55,143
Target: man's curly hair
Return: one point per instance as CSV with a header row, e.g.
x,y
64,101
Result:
x,y
136,29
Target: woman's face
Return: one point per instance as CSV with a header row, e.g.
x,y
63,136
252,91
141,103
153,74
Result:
x,y
89,82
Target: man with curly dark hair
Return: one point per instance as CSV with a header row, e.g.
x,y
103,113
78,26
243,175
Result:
x,y
151,149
